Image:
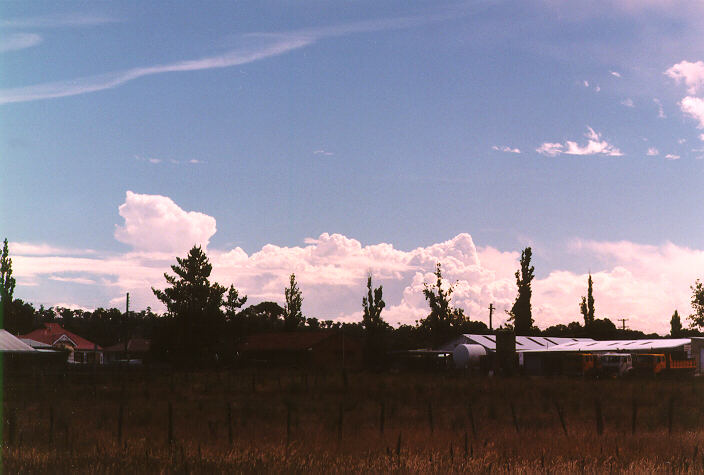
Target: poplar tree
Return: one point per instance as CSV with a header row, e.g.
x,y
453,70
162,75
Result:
x,y
293,317
675,325
587,304
521,313
7,283
375,328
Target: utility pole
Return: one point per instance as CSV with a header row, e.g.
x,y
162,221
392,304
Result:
x,y
491,313
126,322
623,322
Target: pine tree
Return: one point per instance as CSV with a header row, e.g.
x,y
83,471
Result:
x,y
293,317
521,312
194,304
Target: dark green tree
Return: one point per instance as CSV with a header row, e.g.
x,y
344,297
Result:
x,y
444,321
233,302
293,317
375,328
194,305
7,283
697,318
521,313
587,305
675,325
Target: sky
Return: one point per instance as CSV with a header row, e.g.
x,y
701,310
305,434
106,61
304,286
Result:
x,y
337,139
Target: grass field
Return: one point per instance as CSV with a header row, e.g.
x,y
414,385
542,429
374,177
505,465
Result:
x,y
294,421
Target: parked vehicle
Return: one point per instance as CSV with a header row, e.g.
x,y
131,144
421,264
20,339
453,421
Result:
x,y
616,365
581,364
649,364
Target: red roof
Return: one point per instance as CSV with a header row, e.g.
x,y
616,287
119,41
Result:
x,y
51,333
294,341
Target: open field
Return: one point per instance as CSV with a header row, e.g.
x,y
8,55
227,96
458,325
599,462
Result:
x,y
293,421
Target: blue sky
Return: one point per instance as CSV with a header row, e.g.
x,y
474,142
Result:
x,y
538,123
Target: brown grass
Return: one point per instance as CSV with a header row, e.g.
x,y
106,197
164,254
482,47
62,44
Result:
x,y
427,424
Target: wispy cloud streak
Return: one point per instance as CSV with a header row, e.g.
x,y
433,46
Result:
x,y
270,45
19,41
57,21
111,80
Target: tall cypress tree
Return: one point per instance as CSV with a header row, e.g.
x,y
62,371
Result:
x,y
675,325
521,312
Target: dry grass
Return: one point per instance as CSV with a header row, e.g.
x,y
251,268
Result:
x,y
310,422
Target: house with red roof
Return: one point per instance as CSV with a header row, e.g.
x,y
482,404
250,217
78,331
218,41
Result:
x,y
319,348
81,351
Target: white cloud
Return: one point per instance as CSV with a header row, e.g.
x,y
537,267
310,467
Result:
x,y
644,283
194,161
628,102
615,74
681,141
671,156
505,148
661,111
585,83
550,149
652,151
156,223
694,107
18,41
323,152
692,74
595,146
701,137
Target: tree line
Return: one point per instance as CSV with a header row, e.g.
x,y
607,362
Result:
x,y
205,321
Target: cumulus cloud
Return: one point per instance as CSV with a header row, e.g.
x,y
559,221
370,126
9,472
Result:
x,y
672,156
505,148
693,107
691,74
661,110
595,146
644,283
156,223
628,102
652,151
615,74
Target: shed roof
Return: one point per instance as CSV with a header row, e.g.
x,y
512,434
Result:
x,y
294,341
525,343
52,332
9,343
619,345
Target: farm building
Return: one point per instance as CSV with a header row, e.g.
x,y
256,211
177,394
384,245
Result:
x,y
80,350
320,349
678,349
17,354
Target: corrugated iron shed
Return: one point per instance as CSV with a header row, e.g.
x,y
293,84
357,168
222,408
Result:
x,y
618,345
523,343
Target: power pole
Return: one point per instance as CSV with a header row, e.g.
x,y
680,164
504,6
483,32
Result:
x,y
623,322
126,322
491,313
